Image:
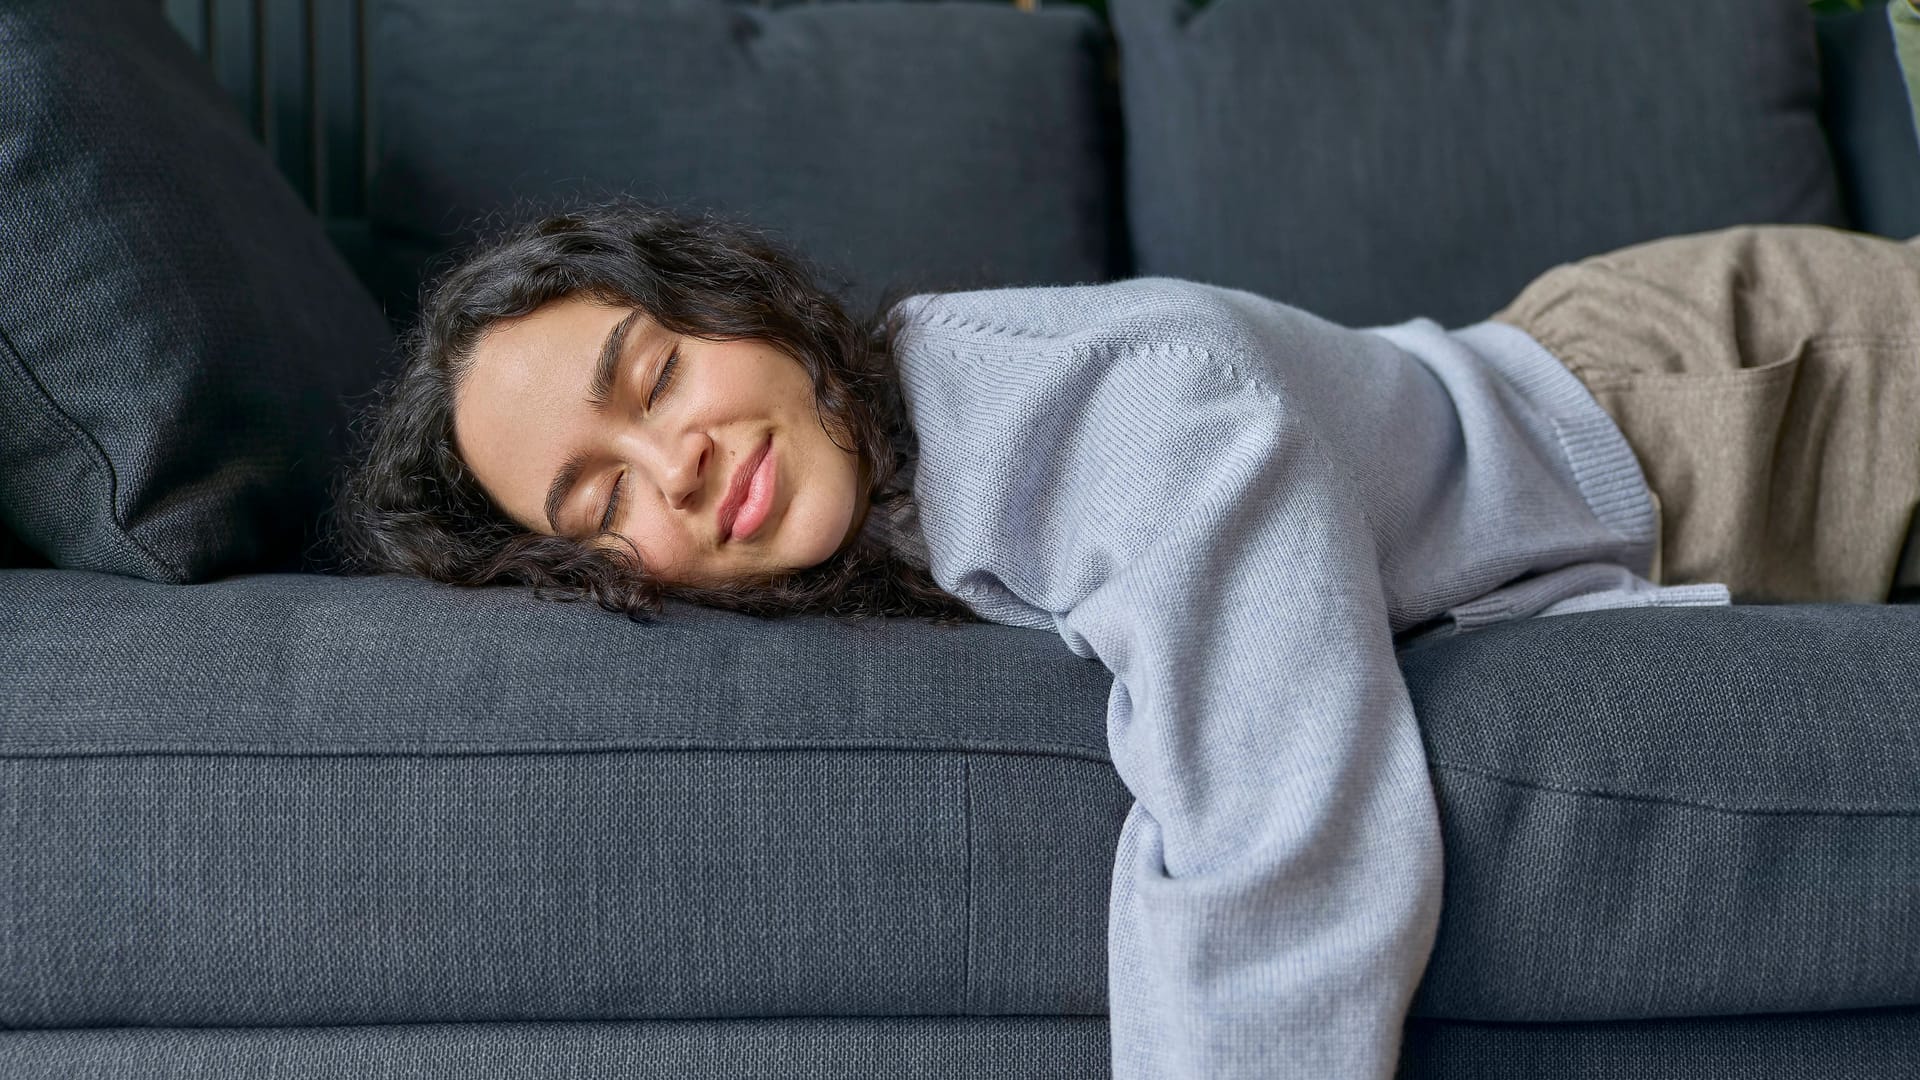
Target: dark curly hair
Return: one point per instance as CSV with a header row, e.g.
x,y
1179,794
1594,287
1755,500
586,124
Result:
x,y
408,504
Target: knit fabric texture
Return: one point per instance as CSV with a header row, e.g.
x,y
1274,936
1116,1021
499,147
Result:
x,y
1235,506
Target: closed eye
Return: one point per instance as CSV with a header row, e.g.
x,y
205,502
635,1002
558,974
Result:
x,y
667,371
613,503
660,386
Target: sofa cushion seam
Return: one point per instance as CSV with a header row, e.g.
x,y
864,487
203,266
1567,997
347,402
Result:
x,y
14,753
1659,800
98,458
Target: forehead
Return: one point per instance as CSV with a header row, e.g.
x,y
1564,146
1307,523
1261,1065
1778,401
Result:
x,y
522,400
546,353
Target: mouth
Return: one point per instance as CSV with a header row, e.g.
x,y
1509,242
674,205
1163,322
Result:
x,y
739,487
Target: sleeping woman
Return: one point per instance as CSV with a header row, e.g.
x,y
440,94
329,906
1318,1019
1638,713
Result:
x,y
1240,509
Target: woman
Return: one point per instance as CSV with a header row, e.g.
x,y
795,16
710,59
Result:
x,y
1235,506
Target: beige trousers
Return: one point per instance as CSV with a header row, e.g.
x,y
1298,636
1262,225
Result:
x,y
1768,380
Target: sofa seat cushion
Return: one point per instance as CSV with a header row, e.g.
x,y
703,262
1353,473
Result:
x,y
1676,812
292,799
816,1048
1879,1044
299,799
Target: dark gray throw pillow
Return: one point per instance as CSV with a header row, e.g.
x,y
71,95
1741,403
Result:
x,y
14,553
1371,162
177,338
900,145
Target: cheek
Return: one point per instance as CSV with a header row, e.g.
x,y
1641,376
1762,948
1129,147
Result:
x,y
831,434
660,554
835,494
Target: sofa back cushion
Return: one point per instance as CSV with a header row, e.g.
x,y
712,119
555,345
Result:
x,y
1371,162
1869,121
901,145
177,338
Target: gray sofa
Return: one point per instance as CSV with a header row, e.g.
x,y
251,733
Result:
x,y
258,819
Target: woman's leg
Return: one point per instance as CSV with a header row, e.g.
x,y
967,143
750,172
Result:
x,y
1768,379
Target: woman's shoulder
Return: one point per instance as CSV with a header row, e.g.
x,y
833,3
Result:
x,y
1157,312
1052,311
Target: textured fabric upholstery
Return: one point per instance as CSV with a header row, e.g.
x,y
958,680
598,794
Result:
x,y
1431,159
1869,122
177,337
1676,812
901,145
776,1048
1869,1045
296,799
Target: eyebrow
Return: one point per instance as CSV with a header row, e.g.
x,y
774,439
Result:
x,y
599,392
563,482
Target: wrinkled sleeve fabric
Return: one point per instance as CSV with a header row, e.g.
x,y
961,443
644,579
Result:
x,y
1276,888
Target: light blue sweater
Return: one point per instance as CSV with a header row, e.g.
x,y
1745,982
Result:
x,y
1235,505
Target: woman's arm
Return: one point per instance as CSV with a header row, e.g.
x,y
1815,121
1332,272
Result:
x,y
1276,890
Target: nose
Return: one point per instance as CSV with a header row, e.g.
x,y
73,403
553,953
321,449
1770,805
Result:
x,y
677,461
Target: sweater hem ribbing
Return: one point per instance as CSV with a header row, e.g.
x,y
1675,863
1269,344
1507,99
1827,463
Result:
x,y
1603,462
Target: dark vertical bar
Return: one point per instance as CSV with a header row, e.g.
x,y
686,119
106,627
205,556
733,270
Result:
x,y
285,46
230,51
262,86
338,158
213,50
362,63
316,111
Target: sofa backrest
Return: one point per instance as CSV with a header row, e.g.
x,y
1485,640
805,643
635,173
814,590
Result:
x,y
901,144
901,147
1870,122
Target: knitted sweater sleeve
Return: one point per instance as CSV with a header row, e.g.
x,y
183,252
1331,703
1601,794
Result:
x,y
1276,888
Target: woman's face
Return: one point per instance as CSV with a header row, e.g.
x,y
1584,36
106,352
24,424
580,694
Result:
x,y
562,407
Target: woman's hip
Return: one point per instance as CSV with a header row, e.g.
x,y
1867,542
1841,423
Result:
x,y
1768,379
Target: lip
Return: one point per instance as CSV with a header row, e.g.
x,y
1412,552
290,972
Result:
x,y
737,488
